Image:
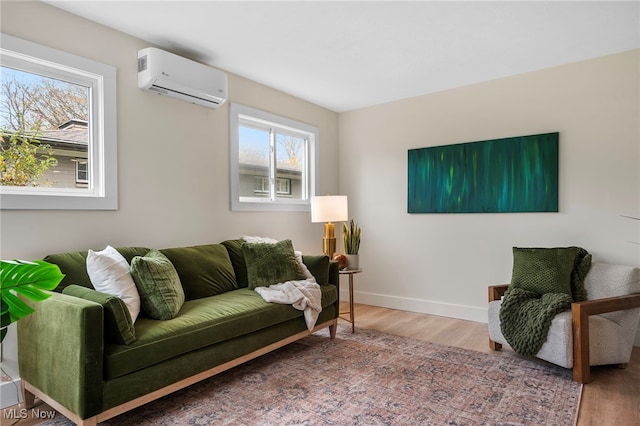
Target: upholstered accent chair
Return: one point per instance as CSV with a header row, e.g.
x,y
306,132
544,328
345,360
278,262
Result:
x,y
598,331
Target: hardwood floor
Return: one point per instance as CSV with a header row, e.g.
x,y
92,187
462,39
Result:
x,y
612,398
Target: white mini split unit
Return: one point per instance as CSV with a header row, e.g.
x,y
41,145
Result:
x,y
178,77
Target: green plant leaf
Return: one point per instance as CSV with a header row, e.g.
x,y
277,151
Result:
x,y
5,319
28,279
17,308
351,237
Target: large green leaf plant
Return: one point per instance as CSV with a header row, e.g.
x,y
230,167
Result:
x,y
28,279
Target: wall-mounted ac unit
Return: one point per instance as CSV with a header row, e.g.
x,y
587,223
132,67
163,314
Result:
x,y
178,77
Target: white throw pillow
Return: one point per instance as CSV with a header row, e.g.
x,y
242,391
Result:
x,y
110,273
258,240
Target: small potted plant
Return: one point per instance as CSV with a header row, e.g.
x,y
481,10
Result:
x,y
351,237
27,279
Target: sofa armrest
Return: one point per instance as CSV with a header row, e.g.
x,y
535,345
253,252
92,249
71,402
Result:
x,y
580,312
60,352
334,273
497,291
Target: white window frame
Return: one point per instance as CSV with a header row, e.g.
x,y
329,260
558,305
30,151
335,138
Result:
x,y
239,113
102,193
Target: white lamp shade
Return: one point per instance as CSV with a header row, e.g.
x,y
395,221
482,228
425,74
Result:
x,y
329,208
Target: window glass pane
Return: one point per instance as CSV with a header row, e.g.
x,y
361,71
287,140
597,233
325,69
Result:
x,y
45,129
254,149
291,163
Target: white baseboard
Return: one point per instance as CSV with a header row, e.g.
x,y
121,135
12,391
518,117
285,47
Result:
x,y
10,393
470,313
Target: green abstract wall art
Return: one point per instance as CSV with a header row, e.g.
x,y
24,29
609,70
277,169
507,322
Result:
x,y
518,174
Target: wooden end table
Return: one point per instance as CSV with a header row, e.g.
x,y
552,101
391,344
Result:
x,y
351,273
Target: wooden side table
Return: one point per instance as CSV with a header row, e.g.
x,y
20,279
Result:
x,y
351,273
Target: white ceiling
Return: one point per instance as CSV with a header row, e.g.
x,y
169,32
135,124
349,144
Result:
x,y
352,54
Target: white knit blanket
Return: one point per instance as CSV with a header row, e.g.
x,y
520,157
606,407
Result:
x,y
303,295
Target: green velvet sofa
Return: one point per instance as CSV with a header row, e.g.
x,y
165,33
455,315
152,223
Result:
x,y
70,359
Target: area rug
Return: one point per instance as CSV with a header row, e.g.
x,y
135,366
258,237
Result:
x,y
370,378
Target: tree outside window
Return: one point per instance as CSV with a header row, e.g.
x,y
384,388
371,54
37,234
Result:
x,y
44,129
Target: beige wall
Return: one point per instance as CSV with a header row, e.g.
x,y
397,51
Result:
x,y
442,263
173,158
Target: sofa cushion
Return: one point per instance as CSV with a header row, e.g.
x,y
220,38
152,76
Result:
x,y
269,264
204,270
543,270
74,265
234,249
318,265
118,326
161,294
201,322
109,273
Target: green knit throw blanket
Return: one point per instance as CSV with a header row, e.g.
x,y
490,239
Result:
x,y
525,316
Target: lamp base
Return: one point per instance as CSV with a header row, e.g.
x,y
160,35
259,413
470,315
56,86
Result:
x,y
329,240
329,246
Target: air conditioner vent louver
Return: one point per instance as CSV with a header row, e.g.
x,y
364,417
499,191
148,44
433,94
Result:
x,y
165,91
181,78
158,89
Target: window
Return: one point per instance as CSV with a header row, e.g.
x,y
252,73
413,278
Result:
x,y
58,111
82,172
283,186
273,161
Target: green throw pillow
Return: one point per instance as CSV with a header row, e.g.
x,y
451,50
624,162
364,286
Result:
x,y
161,294
204,270
543,270
118,327
269,264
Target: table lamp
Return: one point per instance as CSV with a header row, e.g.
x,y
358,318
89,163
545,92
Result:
x,y
329,208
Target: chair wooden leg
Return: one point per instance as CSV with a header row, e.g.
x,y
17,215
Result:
x,y
580,325
495,345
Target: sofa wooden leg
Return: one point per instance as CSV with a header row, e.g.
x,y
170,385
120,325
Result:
x,y
28,399
332,330
495,345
